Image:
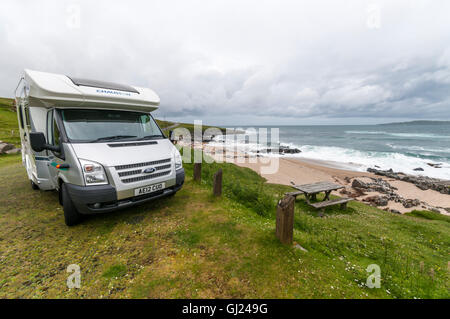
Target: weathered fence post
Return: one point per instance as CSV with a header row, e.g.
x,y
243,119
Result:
x,y
197,172
285,219
217,183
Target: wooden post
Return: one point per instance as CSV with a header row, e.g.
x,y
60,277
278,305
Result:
x,y
217,183
197,172
285,220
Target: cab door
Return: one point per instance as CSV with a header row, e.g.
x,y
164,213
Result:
x,y
53,138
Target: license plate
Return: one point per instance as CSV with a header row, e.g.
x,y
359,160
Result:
x,y
149,189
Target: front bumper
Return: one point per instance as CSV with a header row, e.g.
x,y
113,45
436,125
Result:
x,y
103,198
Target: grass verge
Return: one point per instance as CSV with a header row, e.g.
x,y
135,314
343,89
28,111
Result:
x,y
9,131
196,246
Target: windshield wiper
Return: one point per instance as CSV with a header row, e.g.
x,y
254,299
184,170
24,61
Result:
x,y
148,137
114,137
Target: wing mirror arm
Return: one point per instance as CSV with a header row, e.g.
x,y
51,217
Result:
x,y
53,148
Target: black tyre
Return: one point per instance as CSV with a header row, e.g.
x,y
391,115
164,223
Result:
x,y
71,215
34,186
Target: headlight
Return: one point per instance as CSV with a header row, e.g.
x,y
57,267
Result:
x,y
94,173
178,160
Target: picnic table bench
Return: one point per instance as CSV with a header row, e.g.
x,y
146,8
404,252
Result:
x,y
311,190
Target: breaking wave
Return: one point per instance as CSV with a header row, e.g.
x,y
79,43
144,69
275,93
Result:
x,y
403,135
355,159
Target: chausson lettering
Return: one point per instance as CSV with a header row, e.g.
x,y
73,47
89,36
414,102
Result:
x,y
113,92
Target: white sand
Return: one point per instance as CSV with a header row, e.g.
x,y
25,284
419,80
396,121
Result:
x,y
306,171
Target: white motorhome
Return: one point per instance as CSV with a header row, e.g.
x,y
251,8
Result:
x,y
95,142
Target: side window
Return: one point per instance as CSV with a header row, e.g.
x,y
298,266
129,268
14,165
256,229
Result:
x,y
20,95
50,127
56,134
21,115
27,117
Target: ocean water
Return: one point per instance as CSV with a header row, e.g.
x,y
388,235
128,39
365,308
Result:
x,y
402,147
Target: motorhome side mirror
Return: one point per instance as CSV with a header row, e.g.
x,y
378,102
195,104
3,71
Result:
x,y
37,141
170,135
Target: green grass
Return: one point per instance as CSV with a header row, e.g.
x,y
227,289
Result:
x,y
426,214
243,186
164,124
196,246
115,271
9,131
6,159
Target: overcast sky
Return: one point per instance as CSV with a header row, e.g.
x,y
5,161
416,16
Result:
x,y
245,62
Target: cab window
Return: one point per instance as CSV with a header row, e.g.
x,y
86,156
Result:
x,y
50,127
27,117
21,115
56,135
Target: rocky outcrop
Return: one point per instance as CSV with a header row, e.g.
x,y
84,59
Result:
x,y
381,186
377,200
377,185
6,148
408,203
422,182
13,151
353,192
280,150
288,150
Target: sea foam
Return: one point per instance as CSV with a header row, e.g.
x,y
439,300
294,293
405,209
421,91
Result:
x,y
356,160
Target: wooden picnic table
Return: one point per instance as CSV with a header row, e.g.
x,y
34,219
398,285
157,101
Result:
x,y
311,190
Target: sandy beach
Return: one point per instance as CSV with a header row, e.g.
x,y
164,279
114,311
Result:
x,y
311,171
305,171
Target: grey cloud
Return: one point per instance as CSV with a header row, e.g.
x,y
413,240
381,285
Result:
x,y
230,62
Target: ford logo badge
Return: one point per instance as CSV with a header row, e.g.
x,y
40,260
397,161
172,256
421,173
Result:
x,y
149,170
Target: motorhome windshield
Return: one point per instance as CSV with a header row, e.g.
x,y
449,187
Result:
x,y
84,125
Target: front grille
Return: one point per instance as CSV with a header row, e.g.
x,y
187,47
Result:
x,y
128,173
160,168
121,167
135,172
145,177
139,171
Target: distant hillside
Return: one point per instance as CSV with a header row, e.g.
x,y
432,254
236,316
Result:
x,y
423,122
